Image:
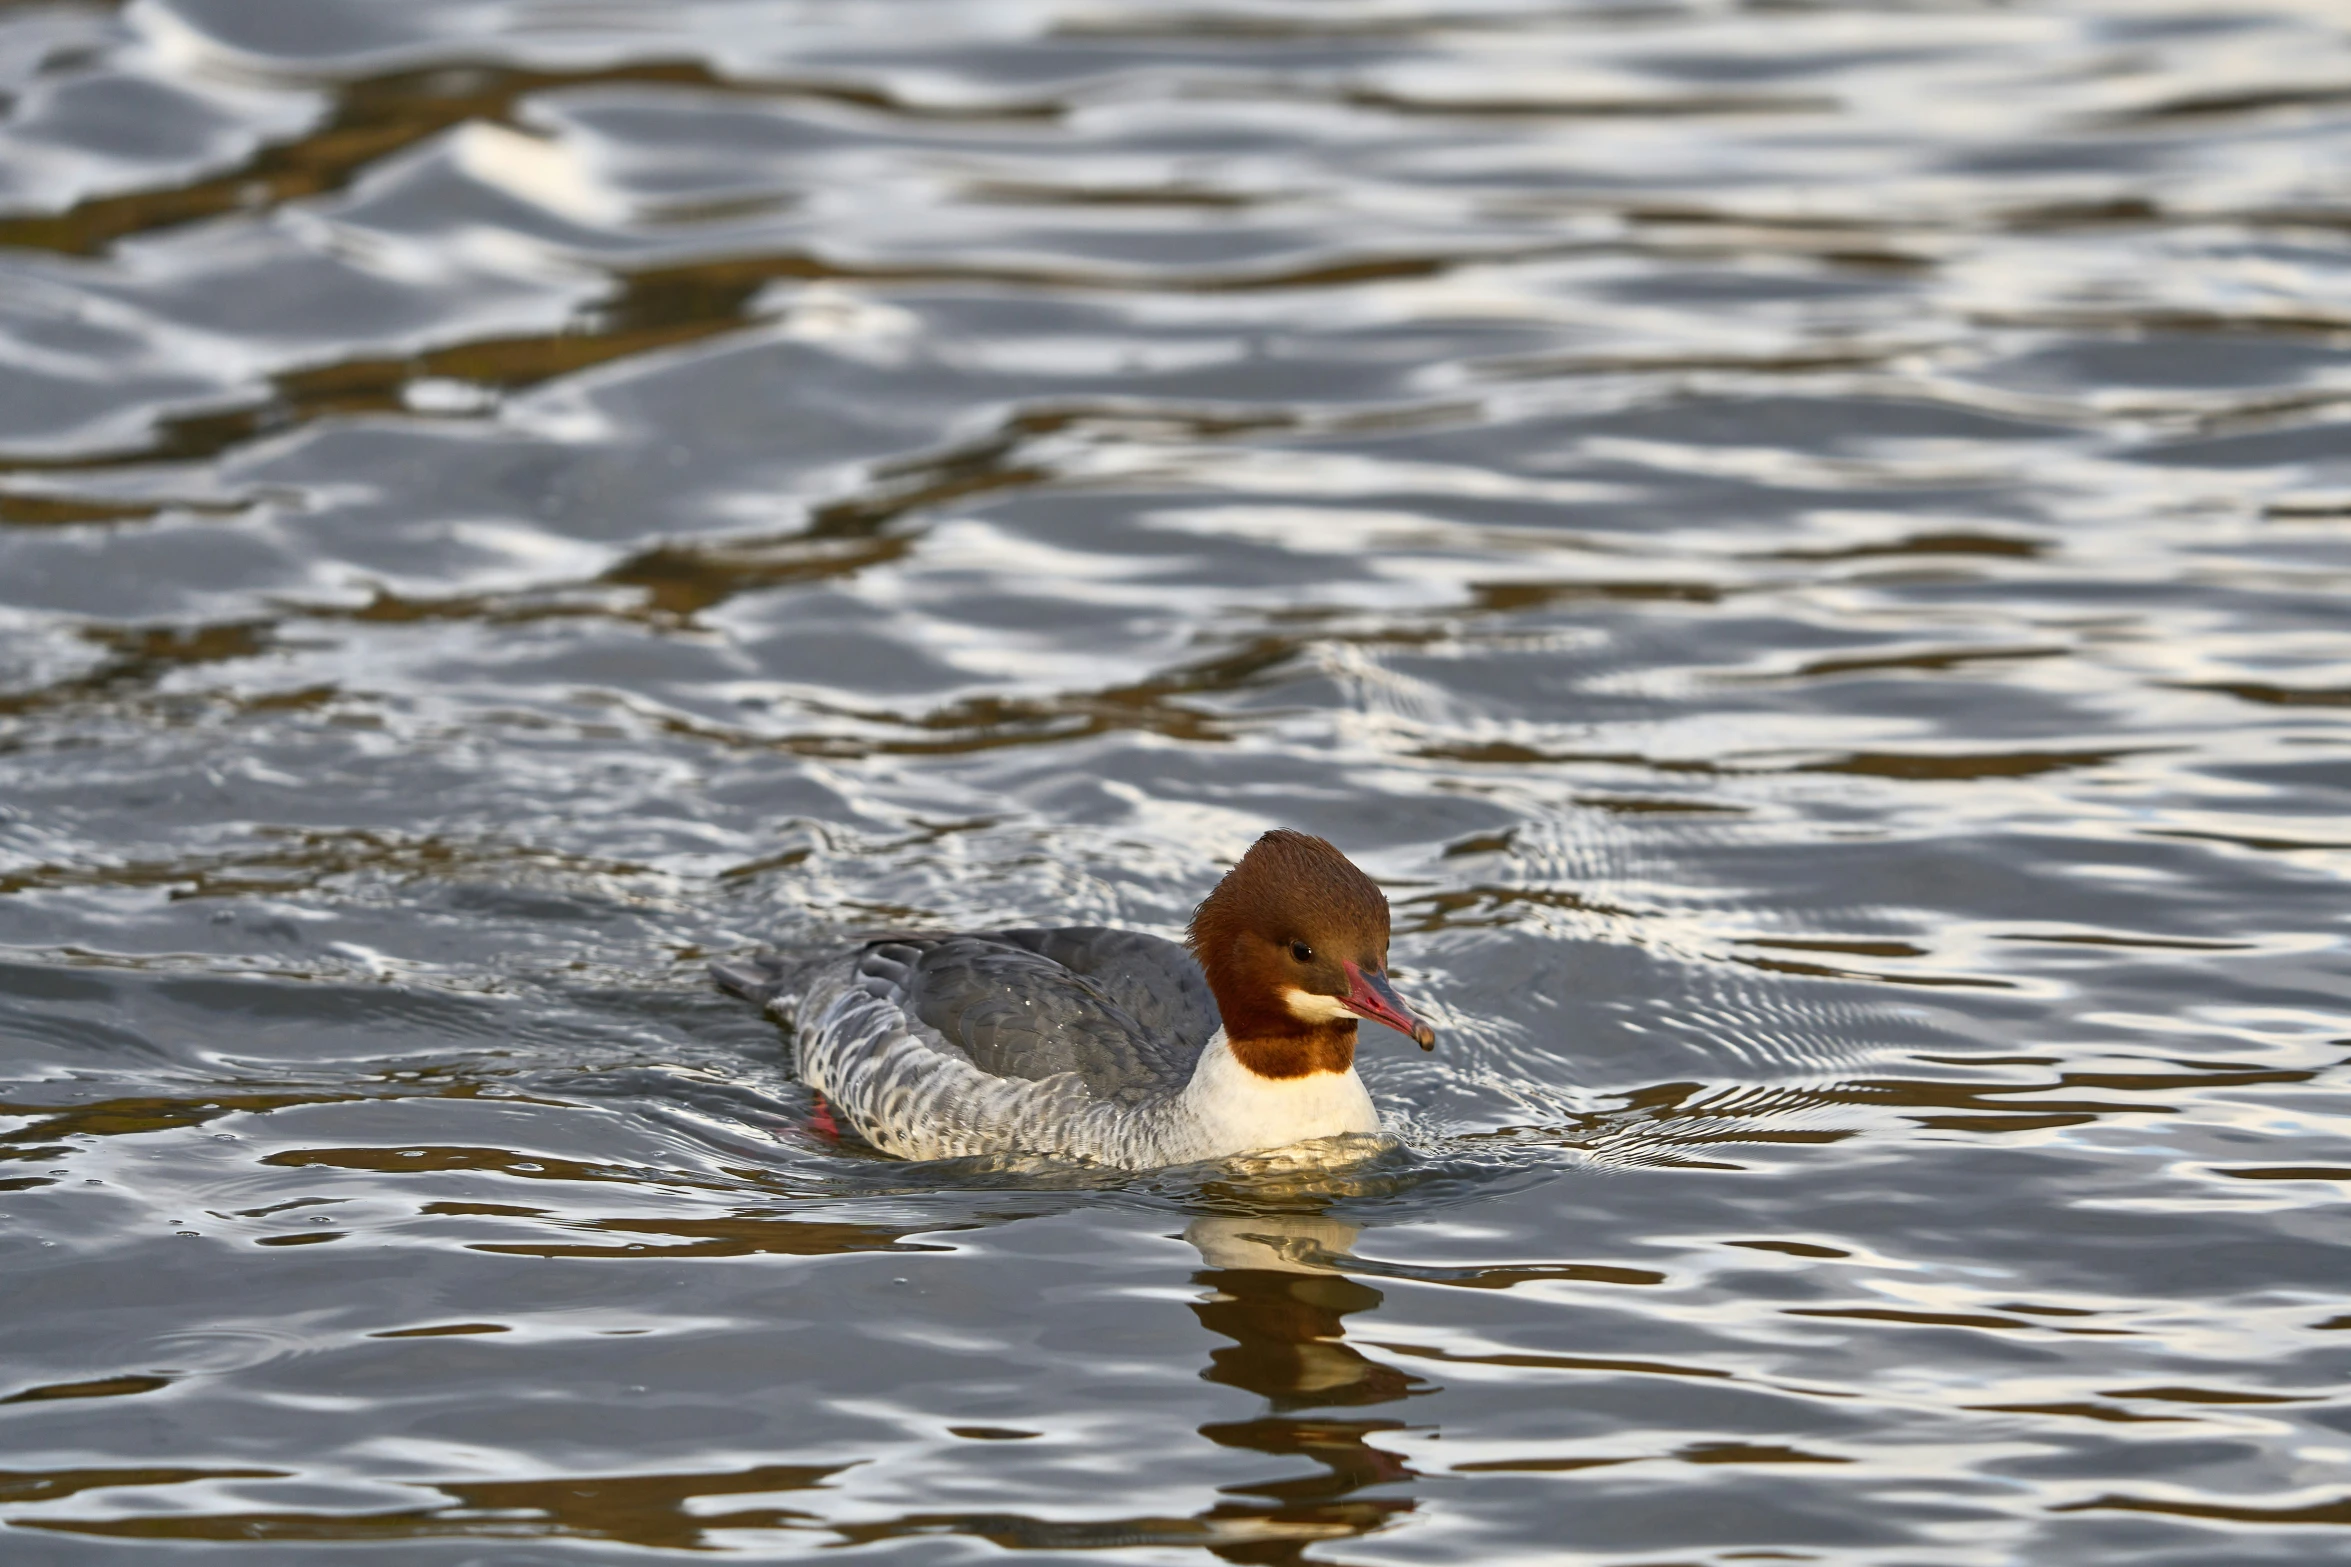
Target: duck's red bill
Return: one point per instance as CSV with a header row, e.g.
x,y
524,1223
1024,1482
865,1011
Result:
x,y
1370,996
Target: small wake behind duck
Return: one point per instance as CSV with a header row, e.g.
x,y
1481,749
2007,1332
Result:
x,y
1107,1045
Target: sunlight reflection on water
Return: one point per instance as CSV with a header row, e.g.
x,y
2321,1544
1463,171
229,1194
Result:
x,y
1805,546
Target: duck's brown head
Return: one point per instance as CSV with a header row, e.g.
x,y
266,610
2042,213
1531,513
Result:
x,y
1294,941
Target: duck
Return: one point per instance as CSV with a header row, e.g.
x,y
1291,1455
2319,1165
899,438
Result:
x,y
1103,1045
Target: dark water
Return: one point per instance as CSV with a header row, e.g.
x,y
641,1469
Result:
x,y
1805,544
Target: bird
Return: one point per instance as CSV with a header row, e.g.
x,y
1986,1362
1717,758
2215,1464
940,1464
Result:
x,y
1102,1045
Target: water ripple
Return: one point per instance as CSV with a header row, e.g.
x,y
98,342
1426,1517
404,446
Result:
x,y
1802,545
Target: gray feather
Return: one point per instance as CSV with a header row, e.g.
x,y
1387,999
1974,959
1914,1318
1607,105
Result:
x,y
1155,982
1039,1004
1126,1014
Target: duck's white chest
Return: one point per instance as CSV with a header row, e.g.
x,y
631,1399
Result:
x,y
1233,1110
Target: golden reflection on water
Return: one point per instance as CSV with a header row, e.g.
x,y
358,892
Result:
x,y
1273,1289
1803,546
656,1512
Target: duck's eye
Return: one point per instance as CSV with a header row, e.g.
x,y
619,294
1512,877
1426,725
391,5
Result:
x,y
1302,952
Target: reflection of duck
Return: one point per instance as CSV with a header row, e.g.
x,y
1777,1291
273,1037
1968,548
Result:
x,y
1273,1288
1280,1297
1108,1044
1276,1291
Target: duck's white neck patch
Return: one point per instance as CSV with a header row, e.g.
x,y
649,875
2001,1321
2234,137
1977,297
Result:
x,y
1233,1110
1309,1007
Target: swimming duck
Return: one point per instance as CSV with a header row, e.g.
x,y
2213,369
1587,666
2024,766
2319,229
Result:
x,y
1107,1045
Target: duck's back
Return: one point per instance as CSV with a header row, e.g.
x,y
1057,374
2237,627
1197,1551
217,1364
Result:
x,y
935,1045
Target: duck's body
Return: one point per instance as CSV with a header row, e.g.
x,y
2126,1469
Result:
x,y
1098,1044
1082,1042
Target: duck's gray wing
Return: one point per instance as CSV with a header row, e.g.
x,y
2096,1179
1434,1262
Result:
x,y
1017,1012
1153,980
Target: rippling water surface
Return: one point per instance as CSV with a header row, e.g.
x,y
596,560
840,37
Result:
x,y
1805,544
